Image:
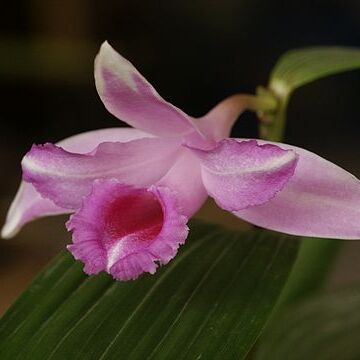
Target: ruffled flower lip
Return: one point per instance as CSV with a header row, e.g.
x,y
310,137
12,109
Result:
x,y
126,231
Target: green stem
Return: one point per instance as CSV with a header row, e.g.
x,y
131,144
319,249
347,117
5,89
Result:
x,y
272,125
263,103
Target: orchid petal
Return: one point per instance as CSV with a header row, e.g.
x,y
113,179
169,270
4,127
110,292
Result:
x,y
242,174
65,177
127,95
321,200
29,204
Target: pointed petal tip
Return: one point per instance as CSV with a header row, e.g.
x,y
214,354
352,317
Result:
x,y
105,46
106,56
105,43
8,231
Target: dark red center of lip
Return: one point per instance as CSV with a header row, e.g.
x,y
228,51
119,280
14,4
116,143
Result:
x,y
138,214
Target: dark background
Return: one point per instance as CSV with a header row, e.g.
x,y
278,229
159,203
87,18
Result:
x,y
194,52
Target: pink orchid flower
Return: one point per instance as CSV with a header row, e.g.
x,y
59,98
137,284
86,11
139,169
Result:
x,y
132,190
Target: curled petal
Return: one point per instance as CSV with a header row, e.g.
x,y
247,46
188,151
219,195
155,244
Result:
x,y
65,177
29,204
126,231
128,96
239,174
321,200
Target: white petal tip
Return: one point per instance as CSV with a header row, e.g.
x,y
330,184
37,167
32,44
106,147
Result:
x,y
109,59
108,53
8,231
105,46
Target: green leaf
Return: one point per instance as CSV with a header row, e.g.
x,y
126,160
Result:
x,y
212,301
325,327
315,259
297,68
